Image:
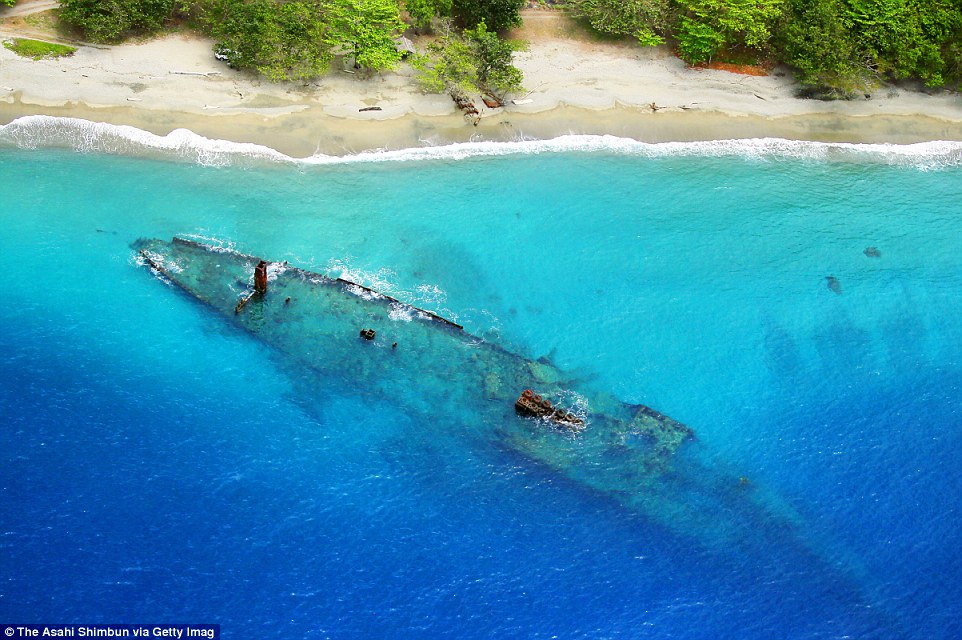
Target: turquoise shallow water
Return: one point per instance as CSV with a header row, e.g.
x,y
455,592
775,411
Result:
x,y
160,465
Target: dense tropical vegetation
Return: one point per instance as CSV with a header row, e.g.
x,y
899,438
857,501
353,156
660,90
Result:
x,y
838,47
477,60
298,39
112,20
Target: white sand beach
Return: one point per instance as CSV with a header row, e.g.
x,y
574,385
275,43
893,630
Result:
x,y
574,85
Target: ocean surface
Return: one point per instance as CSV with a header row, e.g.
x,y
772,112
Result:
x,y
157,464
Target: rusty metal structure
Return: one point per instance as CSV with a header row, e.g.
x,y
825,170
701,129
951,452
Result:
x,y
630,453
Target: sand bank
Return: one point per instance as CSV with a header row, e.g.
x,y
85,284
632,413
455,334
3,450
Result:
x,y
574,86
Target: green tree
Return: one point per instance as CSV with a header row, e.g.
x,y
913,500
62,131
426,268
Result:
x,y
9,3
497,14
113,20
817,43
478,61
423,12
448,65
298,39
840,46
496,73
709,26
904,37
369,28
698,42
283,41
952,54
649,21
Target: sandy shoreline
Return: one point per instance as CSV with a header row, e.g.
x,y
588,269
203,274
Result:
x,y
575,86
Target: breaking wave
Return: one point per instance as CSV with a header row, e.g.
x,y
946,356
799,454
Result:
x,y
37,131
385,282
33,132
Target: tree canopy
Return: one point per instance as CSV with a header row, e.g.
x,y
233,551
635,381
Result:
x,y
837,46
447,66
423,12
282,41
647,20
113,20
477,61
497,14
298,39
369,28
496,73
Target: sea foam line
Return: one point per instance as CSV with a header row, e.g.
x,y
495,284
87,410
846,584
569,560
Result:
x,y
38,131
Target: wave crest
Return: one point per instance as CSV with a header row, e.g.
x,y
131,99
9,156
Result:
x,y
31,132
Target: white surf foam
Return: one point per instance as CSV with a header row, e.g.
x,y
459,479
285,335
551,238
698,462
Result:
x,y
385,281
215,244
37,131
140,261
32,132
403,313
925,155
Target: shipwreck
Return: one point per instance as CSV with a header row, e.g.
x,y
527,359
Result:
x,y
642,459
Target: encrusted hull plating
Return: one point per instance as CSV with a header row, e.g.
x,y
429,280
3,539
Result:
x,y
631,453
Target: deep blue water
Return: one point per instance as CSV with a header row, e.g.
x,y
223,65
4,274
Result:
x,y
157,464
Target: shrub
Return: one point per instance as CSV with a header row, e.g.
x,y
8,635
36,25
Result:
x,y
113,20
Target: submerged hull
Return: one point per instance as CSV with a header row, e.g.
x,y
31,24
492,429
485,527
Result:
x,y
633,454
